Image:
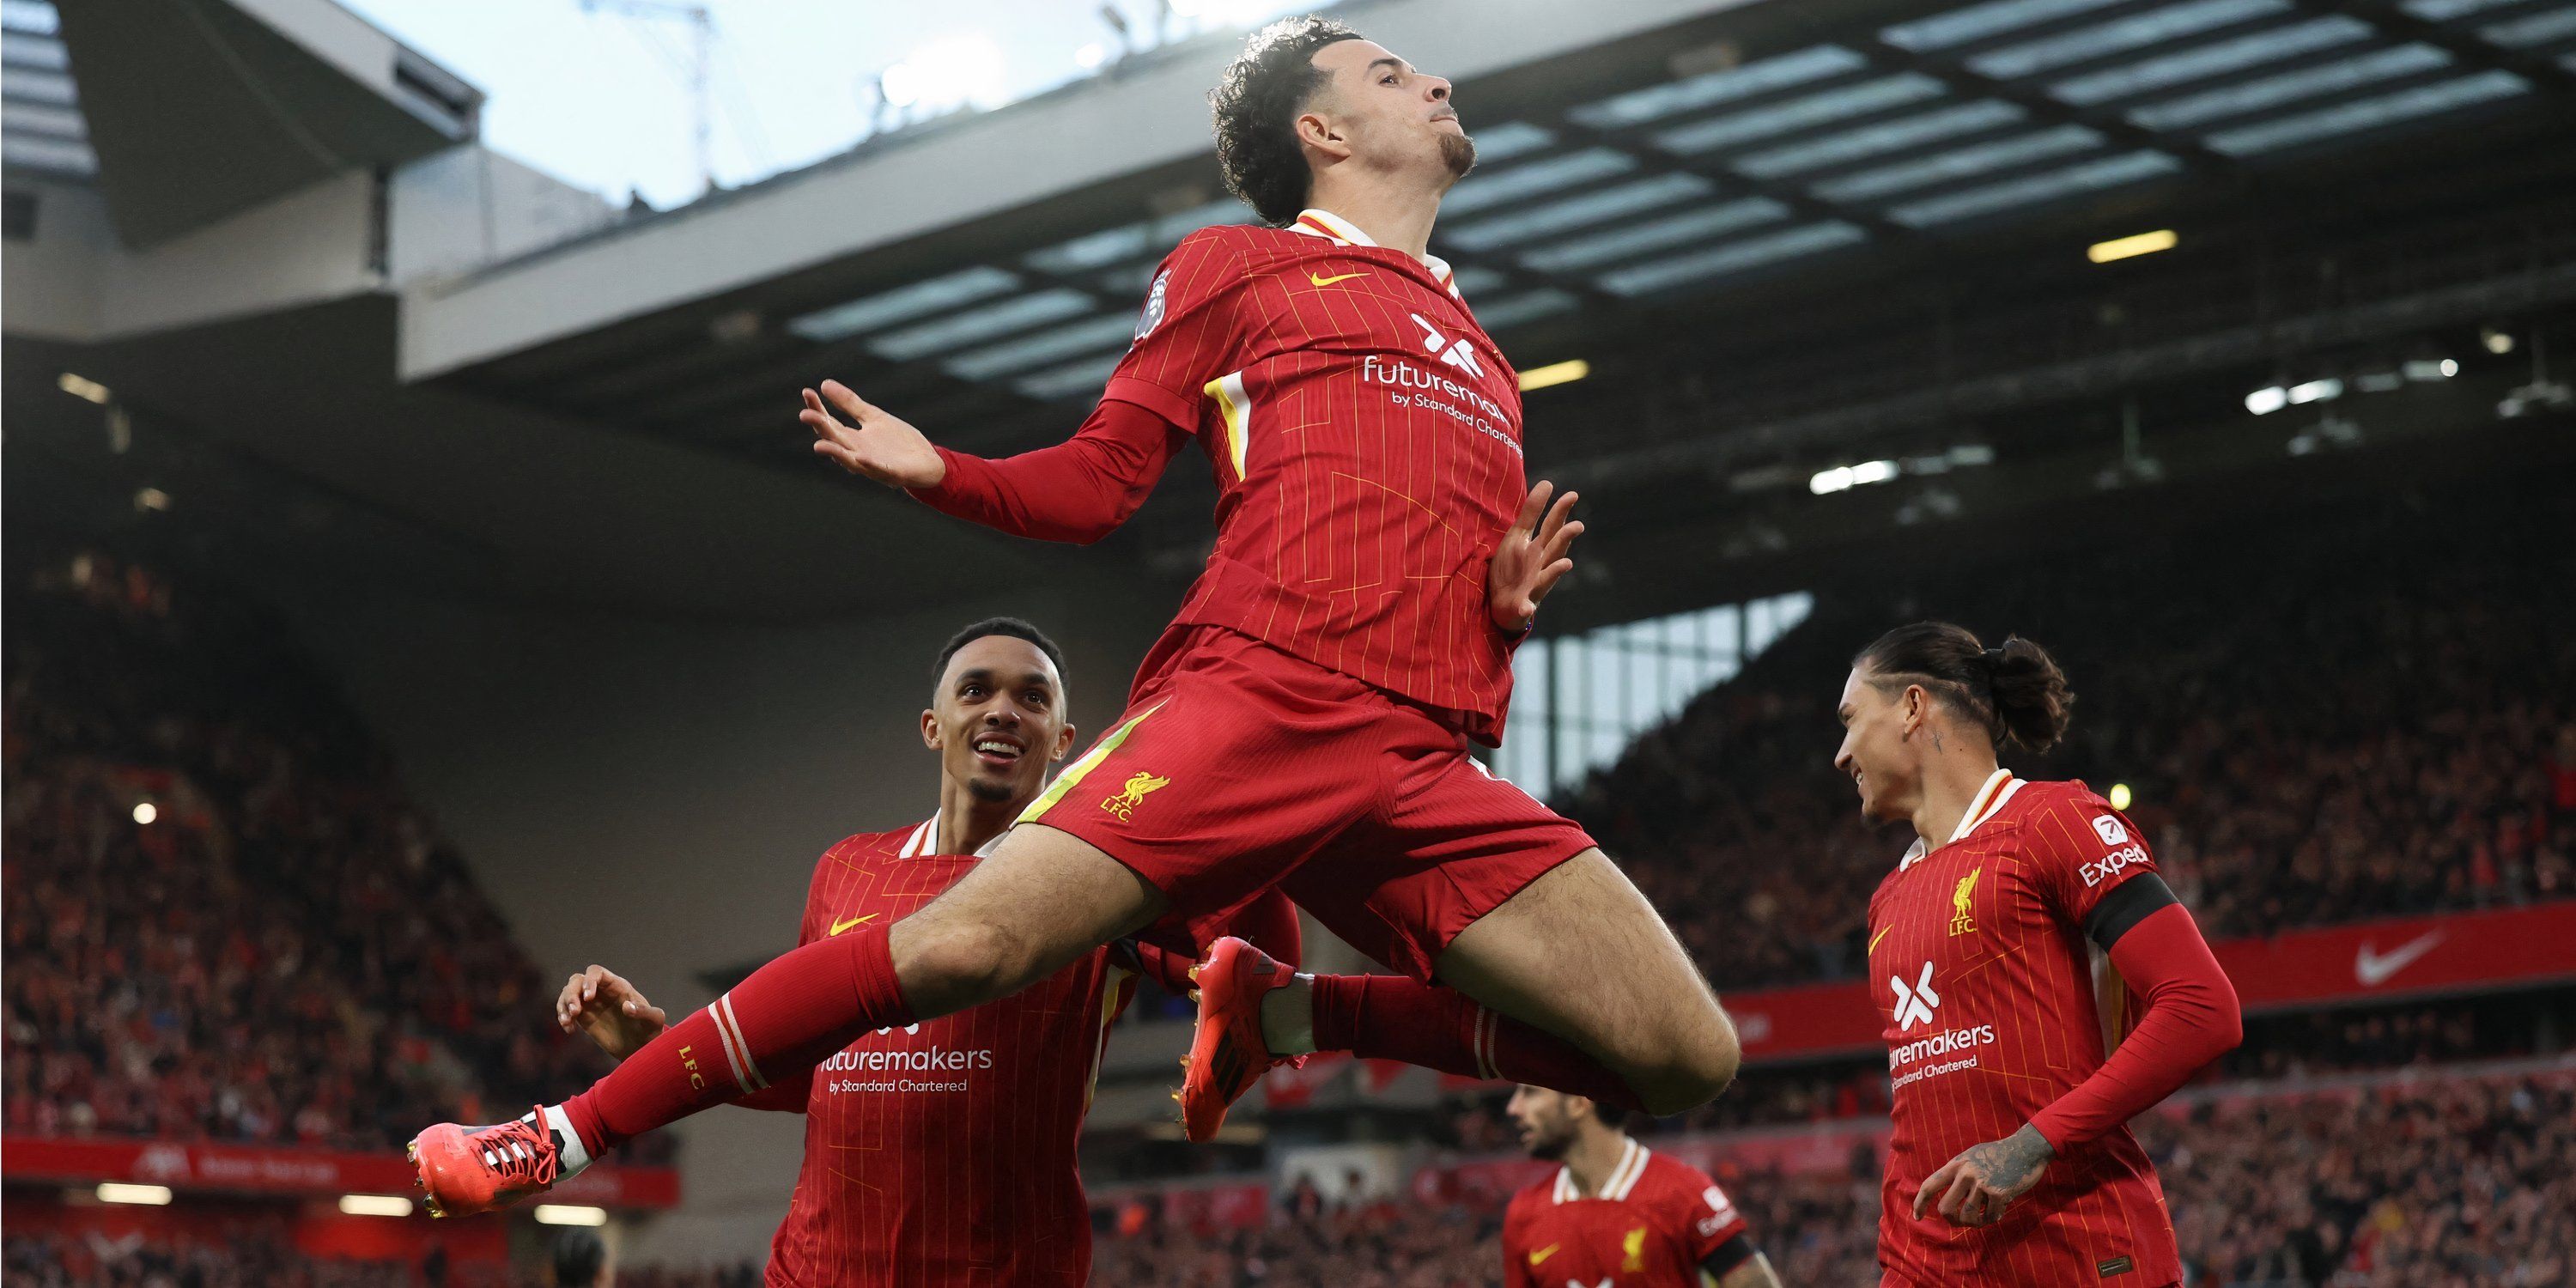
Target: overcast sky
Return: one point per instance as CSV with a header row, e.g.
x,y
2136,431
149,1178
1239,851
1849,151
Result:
x,y
600,98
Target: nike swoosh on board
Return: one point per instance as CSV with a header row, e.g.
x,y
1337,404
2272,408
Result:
x,y
2374,968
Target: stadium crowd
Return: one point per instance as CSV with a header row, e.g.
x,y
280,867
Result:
x,y
2418,1181
2403,746
223,919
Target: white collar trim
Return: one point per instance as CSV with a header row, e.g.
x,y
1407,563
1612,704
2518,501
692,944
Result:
x,y
2000,787
1623,1178
923,842
1315,221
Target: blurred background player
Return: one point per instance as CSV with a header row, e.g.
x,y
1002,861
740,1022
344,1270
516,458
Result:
x,y
580,1259
1618,1213
943,1151
2011,1162
1305,721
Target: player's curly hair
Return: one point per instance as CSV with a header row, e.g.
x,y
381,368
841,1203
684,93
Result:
x,y
2014,689
1011,626
1256,111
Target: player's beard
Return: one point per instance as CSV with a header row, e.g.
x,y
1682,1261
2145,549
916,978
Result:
x,y
990,791
1458,152
1550,1147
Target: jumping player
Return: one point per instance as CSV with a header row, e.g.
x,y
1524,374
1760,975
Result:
x,y
943,1152
2016,1054
1618,1213
1304,722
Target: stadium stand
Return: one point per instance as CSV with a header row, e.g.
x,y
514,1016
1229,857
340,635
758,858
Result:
x,y
285,952
2298,758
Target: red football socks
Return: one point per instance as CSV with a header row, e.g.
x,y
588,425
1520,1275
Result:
x,y
782,1020
1391,1017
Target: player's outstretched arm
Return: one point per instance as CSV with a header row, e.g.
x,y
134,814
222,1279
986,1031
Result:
x,y
599,1004
1531,558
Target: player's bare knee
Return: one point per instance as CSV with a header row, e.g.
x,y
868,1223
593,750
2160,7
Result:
x,y
1696,1062
954,964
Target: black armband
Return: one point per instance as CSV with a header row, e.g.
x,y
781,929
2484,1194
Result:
x,y
2128,903
1730,1254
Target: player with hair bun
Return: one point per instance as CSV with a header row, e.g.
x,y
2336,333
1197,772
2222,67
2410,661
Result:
x,y
2041,985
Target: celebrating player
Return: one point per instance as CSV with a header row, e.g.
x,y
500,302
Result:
x,y
2011,1162
1304,722
947,1148
1618,1213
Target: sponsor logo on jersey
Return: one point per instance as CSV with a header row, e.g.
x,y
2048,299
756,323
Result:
x,y
1634,1244
1961,921
1544,1253
1720,1211
1949,1042
1153,315
1440,394
2109,829
2374,968
1314,278
1916,1002
2111,865
1124,802
839,926
1456,353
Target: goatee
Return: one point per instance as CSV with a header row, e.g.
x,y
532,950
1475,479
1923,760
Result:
x,y
1458,152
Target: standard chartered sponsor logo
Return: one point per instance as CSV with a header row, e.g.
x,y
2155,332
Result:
x,y
1438,393
929,1060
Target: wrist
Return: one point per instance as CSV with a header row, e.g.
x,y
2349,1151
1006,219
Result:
x,y
2040,1135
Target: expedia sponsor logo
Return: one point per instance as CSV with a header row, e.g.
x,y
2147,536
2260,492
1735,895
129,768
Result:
x,y
1944,1042
2110,865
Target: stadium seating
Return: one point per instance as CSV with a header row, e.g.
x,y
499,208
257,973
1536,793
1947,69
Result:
x,y
285,952
2298,758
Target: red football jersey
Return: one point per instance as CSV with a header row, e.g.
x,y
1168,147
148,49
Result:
x,y
1654,1221
1366,438
1978,961
943,1153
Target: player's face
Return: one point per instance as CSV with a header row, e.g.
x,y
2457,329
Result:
x,y
998,719
1876,752
1387,115
1547,1119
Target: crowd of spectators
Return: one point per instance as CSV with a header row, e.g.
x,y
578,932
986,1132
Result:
x,y
2416,1182
2305,746
223,919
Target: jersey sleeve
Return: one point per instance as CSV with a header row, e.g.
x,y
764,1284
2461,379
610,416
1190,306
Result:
x,y
2081,850
1516,1271
1192,331
1710,1216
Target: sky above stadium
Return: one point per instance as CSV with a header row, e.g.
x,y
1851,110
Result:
x,y
599,96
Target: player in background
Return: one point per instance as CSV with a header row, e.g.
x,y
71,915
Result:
x,y
943,1153
1617,1215
2017,1055
1304,722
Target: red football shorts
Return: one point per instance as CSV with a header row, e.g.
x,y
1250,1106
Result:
x,y
1240,767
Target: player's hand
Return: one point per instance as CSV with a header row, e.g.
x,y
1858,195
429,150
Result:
x,y
600,1003
1531,559
873,443
1975,1188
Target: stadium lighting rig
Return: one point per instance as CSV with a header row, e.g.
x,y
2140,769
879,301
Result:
x,y
141,1195
569,1214
375,1205
2130,247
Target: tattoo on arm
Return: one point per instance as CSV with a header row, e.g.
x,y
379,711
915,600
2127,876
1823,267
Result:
x,y
2013,1162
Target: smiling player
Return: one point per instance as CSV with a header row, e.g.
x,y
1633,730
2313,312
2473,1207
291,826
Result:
x,y
2015,1075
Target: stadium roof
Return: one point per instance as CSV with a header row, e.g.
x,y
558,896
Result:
x,y
205,110
1616,178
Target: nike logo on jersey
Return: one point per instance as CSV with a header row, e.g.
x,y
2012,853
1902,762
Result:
x,y
2374,969
1319,279
1544,1253
839,926
1882,934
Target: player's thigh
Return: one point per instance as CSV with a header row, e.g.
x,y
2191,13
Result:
x,y
1039,899
1580,953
